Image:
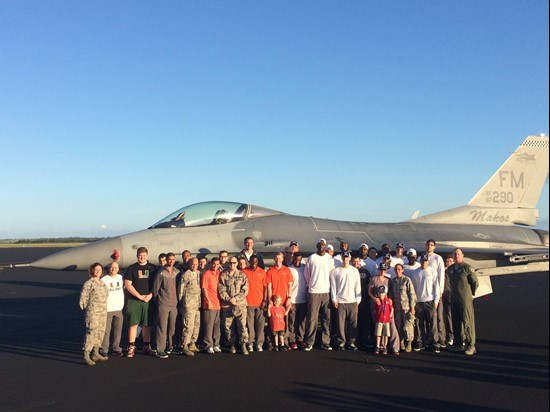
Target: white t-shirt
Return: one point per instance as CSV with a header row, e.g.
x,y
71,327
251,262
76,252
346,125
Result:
x,y
115,284
298,289
345,285
317,273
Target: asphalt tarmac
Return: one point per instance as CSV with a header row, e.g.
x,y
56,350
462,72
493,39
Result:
x,y
41,331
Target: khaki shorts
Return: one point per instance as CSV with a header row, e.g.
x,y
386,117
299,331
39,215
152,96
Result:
x,y
137,313
382,329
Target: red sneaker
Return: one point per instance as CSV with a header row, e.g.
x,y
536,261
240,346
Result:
x,y
293,346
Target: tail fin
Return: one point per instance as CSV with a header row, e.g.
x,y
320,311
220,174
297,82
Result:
x,y
510,196
519,181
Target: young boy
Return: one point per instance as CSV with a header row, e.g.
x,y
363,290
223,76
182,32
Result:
x,y
277,314
93,299
384,312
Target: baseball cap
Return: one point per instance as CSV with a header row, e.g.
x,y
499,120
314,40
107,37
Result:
x,y
363,245
330,247
387,256
383,266
399,245
322,240
294,243
424,256
346,254
382,289
411,251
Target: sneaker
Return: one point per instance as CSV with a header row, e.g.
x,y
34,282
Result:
x,y
250,347
131,351
162,355
176,350
148,351
269,346
450,342
384,351
276,348
118,353
259,349
436,349
210,350
341,347
244,349
458,348
326,347
293,346
442,345
302,344
419,348
217,349
470,351
376,350
396,353
308,347
285,348
169,350
232,350
352,346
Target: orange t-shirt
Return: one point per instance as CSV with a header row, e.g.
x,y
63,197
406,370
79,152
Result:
x,y
209,286
256,284
277,318
279,280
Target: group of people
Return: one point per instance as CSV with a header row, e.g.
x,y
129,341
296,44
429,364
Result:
x,y
390,301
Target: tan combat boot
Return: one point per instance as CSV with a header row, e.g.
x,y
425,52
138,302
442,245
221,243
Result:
x,y
87,359
408,348
187,352
193,347
96,356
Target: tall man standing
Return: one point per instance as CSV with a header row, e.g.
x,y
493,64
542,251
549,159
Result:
x,y
437,263
345,292
255,299
317,277
463,287
138,285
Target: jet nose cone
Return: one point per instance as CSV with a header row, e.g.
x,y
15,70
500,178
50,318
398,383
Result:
x,y
81,257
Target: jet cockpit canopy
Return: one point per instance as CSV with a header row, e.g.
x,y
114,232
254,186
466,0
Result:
x,y
212,213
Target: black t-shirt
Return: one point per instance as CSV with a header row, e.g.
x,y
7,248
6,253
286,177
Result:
x,y
141,278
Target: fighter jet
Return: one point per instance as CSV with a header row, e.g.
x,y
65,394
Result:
x,y
491,229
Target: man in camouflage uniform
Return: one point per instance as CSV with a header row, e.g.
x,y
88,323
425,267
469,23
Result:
x,y
233,288
463,287
93,299
404,300
189,296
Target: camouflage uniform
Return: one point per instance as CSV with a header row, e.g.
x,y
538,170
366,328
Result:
x,y
404,299
463,286
234,286
93,299
189,296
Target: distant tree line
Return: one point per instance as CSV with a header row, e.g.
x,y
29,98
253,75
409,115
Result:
x,y
52,240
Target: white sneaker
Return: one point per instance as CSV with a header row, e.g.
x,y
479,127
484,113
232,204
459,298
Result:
x,y
259,349
217,349
250,347
210,350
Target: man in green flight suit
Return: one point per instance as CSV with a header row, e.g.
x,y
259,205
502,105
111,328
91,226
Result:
x,y
463,287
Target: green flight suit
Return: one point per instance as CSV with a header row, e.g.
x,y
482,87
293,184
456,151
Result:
x,y
463,286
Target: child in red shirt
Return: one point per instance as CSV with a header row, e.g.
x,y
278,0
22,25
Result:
x,y
277,315
384,312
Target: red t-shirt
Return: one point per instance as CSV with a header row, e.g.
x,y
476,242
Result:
x,y
256,283
383,311
277,318
279,280
209,286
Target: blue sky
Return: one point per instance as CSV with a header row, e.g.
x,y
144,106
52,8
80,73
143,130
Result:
x,y
115,114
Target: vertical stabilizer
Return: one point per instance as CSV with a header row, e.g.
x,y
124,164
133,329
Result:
x,y
519,181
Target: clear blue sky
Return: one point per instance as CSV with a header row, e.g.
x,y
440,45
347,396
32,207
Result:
x,y
113,114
